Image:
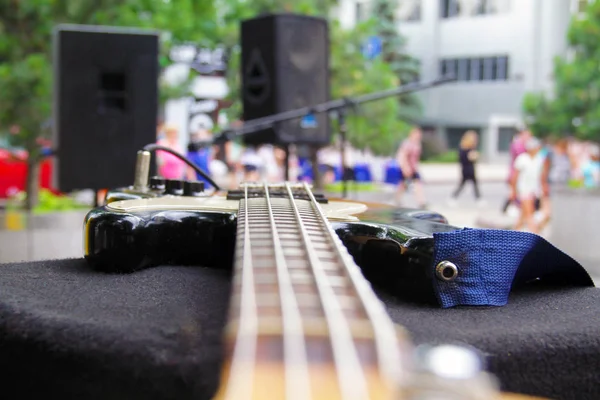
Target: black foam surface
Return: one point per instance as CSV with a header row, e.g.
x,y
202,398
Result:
x,y
69,332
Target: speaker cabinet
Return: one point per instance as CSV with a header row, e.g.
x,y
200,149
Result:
x,y
285,66
105,103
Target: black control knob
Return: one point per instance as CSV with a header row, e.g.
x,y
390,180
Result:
x,y
174,187
193,188
157,183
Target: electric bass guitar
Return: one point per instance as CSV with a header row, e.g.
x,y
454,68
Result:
x,y
304,322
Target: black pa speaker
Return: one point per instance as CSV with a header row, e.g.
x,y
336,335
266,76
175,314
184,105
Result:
x,y
285,66
105,103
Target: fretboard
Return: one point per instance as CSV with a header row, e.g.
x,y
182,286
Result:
x,y
303,322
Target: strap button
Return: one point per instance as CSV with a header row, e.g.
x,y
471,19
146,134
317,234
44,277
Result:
x,y
446,271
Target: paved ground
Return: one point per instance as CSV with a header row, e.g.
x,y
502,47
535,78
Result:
x,y
449,173
61,239
465,213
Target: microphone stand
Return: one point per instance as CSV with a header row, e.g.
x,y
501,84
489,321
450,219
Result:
x,y
338,107
341,116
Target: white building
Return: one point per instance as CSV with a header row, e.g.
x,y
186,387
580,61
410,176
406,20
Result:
x,y
499,49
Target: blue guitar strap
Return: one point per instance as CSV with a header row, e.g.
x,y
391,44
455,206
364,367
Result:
x,y
490,262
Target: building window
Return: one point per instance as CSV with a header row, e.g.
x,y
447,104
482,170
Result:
x,y
362,11
578,7
409,10
476,69
489,69
505,137
487,7
463,69
448,67
482,7
450,8
501,69
455,134
471,8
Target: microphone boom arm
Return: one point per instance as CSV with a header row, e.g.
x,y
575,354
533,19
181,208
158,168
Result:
x,y
330,106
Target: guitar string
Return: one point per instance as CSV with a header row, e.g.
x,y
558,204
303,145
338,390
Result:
x,y
386,341
297,379
351,379
249,346
244,356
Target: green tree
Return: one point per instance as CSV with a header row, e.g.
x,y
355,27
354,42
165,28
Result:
x,y
374,125
26,54
574,105
394,53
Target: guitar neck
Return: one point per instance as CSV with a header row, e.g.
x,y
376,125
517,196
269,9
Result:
x,y
303,322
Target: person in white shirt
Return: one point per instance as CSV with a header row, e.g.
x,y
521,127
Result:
x,y
330,158
270,170
252,164
528,183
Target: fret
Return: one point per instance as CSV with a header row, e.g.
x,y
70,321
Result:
x,y
244,354
313,326
302,324
387,338
351,379
298,381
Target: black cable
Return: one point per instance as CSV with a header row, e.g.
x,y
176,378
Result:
x,y
153,147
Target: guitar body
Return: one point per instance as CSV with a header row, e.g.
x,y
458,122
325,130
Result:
x,y
303,321
137,230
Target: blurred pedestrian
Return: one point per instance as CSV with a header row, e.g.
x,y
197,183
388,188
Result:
x,y
409,157
200,154
279,155
269,168
517,147
252,164
227,155
160,130
279,166
543,205
560,168
169,165
468,156
329,157
556,173
527,184
577,155
590,169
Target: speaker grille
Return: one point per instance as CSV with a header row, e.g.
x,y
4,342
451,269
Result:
x,y
106,104
257,82
293,52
